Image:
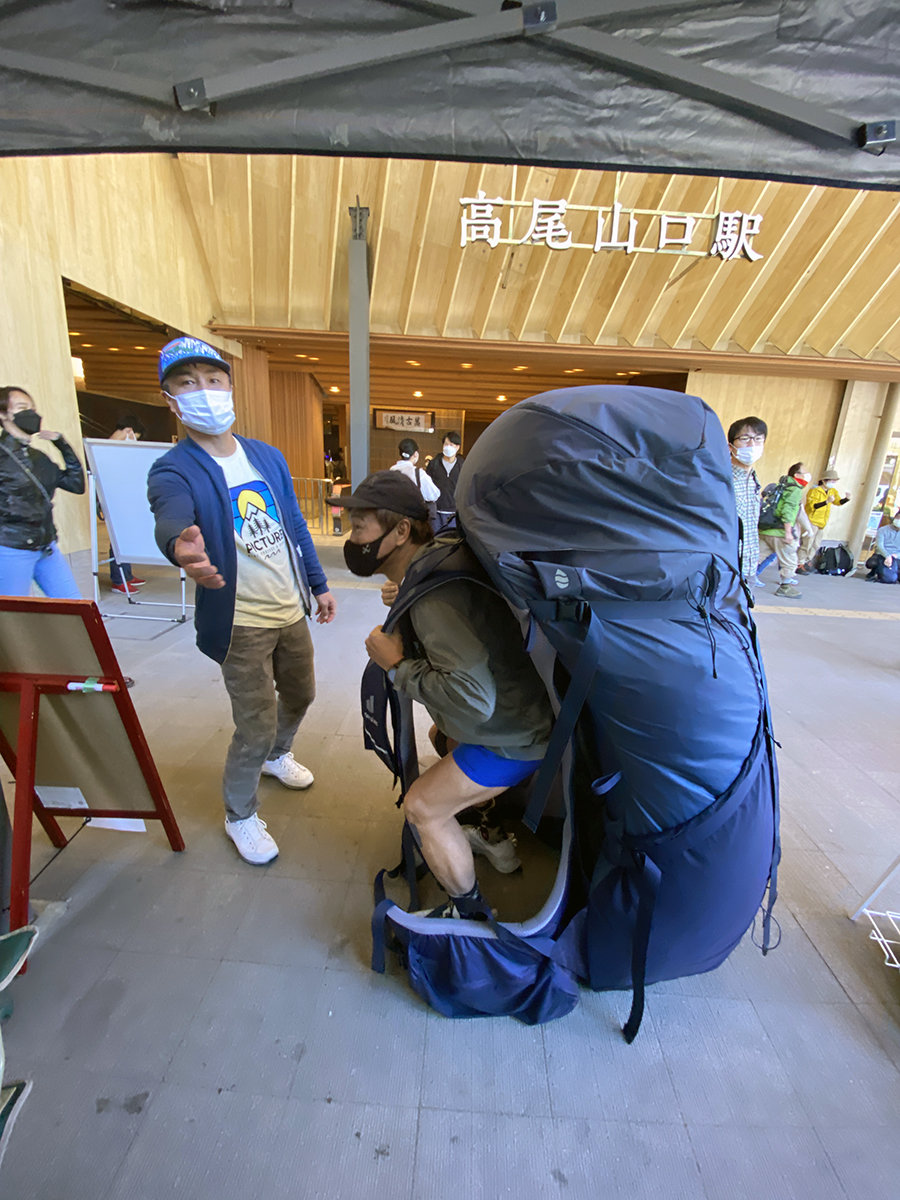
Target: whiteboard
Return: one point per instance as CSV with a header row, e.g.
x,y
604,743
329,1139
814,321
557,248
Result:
x,y
120,474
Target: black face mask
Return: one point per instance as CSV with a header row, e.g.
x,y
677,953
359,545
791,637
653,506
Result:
x,y
362,557
28,420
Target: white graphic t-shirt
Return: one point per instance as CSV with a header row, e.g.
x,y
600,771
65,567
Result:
x,y
268,594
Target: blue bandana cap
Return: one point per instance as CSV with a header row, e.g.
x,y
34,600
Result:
x,y
188,349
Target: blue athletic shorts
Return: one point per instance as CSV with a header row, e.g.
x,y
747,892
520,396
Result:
x,y
490,769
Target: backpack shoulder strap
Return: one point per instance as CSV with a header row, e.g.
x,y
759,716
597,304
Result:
x,y
445,561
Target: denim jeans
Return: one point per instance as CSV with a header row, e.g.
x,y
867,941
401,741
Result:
x,y
881,572
118,571
269,677
47,568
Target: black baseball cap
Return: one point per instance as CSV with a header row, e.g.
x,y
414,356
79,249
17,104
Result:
x,y
390,490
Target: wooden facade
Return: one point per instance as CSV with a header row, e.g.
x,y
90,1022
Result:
x,y
112,255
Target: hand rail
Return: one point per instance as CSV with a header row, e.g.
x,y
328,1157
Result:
x,y
311,495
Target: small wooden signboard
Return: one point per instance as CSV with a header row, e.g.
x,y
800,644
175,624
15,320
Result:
x,y
67,723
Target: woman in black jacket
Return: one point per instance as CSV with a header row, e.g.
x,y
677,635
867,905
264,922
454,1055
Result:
x,y
28,550
444,471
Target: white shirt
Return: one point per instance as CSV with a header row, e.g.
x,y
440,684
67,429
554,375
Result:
x,y
268,594
425,484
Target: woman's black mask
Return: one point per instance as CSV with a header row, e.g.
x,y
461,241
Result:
x,y
28,420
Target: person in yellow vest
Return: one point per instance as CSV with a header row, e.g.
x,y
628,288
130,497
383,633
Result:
x,y
817,509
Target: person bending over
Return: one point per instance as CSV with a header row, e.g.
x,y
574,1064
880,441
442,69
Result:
x,y
464,660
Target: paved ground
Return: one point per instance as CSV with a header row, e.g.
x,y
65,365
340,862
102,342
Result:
x,y
196,1027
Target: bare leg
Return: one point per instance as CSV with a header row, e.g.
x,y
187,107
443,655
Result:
x,y
439,740
431,805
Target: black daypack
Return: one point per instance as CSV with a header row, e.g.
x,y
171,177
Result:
x,y
834,560
771,498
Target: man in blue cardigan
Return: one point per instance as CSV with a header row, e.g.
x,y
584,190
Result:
x,y
226,512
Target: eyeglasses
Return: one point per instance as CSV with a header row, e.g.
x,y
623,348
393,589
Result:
x,y
747,439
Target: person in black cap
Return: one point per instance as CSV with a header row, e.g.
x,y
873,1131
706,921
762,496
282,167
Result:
x,y
226,512
462,657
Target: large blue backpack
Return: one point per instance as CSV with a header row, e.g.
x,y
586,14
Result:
x,y
605,517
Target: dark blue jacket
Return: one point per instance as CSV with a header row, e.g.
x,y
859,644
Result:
x,y
187,487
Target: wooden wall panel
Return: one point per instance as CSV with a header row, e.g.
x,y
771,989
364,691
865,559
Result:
x,y
297,429
276,230
802,414
252,397
115,224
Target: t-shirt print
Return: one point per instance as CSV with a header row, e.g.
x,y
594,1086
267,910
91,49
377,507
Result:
x,y
256,520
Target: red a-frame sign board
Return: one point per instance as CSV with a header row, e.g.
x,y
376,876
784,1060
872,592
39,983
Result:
x,y
67,722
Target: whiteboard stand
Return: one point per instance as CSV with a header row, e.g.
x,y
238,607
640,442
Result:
x,y
96,563
882,883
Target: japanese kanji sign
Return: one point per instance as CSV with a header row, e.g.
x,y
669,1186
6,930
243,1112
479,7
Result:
x,y
617,228
407,422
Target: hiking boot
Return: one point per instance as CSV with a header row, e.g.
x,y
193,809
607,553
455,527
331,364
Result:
x,y
498,848
458,910
788,589
288,771
254,844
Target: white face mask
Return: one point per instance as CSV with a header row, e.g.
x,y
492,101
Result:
x,y
896,522
206,411
748,454
450,450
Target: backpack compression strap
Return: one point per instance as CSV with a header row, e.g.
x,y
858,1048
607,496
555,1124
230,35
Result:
x,y
583,676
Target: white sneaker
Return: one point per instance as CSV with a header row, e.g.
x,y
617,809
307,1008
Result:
x,y
288,771
501,854
254,844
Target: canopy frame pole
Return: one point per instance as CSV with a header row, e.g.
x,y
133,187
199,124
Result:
x,y
358,295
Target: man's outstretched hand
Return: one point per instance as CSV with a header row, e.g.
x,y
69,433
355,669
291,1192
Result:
x,y
189,552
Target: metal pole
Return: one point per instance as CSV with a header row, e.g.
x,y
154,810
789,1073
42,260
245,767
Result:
x,y
95,549
876,466
358,284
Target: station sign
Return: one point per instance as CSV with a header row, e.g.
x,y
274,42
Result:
x,y
728,235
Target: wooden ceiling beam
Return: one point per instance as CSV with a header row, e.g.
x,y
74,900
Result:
x,y
420,224
462,350
830,217
789,212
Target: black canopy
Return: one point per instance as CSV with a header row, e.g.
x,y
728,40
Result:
x,y
784,89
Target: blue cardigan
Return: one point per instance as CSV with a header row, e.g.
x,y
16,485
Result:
x,y
186,487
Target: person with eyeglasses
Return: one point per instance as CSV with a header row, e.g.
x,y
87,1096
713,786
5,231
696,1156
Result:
x,y
746,441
